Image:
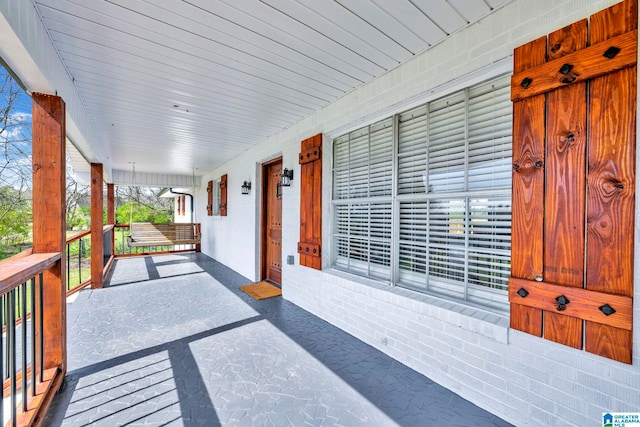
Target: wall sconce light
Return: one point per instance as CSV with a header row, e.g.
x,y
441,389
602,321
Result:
x,y
285,177
246,186
285,181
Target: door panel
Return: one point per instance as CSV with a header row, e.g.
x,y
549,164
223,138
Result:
x,y
272,223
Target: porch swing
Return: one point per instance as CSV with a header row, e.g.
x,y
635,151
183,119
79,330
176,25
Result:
x,y
161,234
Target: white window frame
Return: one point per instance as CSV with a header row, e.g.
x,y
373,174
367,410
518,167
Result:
x,y
216,198
483,295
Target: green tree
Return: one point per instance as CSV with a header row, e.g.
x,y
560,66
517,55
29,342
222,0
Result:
x,y
142,204
15,217
77,202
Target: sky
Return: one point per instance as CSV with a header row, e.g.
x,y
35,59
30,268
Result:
x,y
15,135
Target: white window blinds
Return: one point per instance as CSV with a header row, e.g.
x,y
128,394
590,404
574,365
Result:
x,y
363,180
451,224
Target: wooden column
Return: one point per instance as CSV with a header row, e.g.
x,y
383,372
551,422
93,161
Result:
x,y
111,214
49,219
97,236
111,211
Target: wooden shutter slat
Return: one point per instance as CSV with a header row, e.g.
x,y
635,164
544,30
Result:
x,y
611,209
565,186
587,64
568,40
584,304
223,195
611,200
310,159
310,155
210,198
564,206
528,187
609,341
309,249
614,21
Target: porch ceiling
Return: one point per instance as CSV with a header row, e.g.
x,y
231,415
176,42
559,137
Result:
x,y
175,85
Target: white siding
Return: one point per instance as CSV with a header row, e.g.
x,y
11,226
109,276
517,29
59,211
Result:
x,y
178,217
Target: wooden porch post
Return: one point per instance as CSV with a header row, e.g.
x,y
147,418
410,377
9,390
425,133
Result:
x,y
97,236
111,215
111,212
198,231
49,219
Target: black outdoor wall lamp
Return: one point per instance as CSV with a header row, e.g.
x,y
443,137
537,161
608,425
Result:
x,y
285,177
285,181
246,186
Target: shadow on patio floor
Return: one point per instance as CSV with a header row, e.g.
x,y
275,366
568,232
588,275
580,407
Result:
x,y
171,340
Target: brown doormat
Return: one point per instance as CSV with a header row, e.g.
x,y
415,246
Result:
x,y
261,290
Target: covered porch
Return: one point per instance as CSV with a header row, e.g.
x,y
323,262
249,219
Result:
x,y
396,166
171,340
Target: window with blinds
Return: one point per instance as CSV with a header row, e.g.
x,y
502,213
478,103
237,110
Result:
x,y
216,198
423,199
362,190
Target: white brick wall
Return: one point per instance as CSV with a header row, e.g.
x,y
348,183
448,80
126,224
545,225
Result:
x,y
526,380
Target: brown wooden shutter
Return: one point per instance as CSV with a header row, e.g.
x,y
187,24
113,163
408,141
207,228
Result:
x,y
310,243
581,82
210,198
223,195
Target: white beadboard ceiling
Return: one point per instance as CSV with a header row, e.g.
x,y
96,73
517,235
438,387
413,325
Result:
x,y
176,85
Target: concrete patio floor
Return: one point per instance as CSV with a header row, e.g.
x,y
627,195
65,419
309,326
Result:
x,y
171,341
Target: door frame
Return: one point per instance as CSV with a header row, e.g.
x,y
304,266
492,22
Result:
x,y
263,215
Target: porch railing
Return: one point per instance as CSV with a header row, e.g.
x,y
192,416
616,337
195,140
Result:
x,y
114,245
28,385
79,258
78,261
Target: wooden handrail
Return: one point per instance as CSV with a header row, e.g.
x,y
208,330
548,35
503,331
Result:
x,y
85,233
22,254
18,270
78,236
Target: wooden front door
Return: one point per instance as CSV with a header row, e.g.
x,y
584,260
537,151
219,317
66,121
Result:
x,y
271,222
